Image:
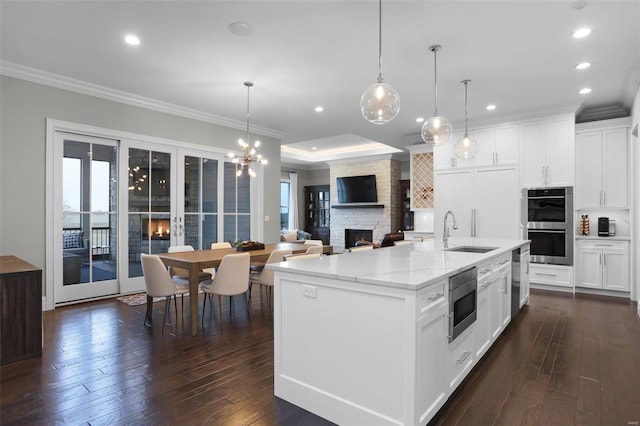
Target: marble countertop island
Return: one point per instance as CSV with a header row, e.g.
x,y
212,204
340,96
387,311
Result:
x,y
410,266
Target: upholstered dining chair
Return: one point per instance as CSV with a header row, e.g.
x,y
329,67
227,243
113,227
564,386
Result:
x,y
183,273
222,245
232,278
217,246
313,242
159,283
314,249
265,276
360,248
302,256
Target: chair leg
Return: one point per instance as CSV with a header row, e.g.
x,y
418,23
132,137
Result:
x,y
204,304
220,307
148,320
246,303
167,305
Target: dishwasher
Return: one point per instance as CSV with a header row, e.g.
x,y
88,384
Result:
x,y
520,260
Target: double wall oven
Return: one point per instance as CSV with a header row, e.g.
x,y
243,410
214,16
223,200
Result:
x,y
547,219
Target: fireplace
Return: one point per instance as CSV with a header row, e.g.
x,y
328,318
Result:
x,y
157,229
351,236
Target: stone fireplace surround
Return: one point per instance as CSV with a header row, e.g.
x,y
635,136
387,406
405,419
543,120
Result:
x,y
378,221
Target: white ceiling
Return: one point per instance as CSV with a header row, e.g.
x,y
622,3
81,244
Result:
x,y
520,55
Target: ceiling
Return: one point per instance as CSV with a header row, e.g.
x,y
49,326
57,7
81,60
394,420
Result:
x,y
520,56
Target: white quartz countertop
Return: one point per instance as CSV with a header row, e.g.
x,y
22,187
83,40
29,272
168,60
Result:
x,y
410,266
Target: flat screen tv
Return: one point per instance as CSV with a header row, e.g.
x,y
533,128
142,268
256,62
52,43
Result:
x,y
357,189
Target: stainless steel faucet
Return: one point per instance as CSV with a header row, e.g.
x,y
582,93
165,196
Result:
x,y
445,233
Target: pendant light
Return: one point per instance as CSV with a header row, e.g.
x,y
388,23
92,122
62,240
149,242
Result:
x,y
436,130
380,103
249,154
467,147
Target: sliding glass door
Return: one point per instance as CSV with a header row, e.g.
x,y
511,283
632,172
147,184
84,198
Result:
x,y
87,199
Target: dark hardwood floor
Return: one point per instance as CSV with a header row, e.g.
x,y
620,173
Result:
x,y
564,360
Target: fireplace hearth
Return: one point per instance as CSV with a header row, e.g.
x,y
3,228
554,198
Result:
x,y
351,236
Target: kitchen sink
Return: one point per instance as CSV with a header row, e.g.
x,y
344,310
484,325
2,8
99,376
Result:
x,y
471,249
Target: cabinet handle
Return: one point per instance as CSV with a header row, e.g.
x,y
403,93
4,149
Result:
x,y
600,199
604,260
603,245
497,161
546,274
484,271
435,297
503,262
465,355
604,198
506,285
485,285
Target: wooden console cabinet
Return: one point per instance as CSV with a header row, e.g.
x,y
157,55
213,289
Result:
x,y
20,310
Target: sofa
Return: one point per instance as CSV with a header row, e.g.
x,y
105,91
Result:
x,y
293,235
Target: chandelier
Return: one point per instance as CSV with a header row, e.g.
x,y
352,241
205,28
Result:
x,y
249,153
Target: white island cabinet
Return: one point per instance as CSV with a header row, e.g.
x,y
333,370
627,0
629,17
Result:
x,y
362,338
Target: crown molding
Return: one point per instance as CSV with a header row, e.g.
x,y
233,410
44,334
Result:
x,y
58,81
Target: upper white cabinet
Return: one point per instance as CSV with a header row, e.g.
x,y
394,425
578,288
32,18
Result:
x,y
548,152
497,145
444,157
602,171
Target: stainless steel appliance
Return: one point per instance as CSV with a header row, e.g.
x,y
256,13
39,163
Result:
x,y
548,222
463,289
520,259
606,227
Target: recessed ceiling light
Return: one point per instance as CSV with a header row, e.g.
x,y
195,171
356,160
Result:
x,y
319,109
240,28
585,91
582,32
132,39
491,107
314,148
583,65
420,119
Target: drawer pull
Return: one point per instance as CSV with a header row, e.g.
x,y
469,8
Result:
x,y
503,262
603,245
435,297
465,355
484,271
546,274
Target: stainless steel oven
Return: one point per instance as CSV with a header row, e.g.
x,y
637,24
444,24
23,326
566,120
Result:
x,y
463,289
548,222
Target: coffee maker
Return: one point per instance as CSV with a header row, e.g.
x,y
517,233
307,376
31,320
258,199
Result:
x,y
606,227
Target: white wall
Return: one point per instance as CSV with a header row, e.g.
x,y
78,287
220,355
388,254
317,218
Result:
x,y
24,108
305,178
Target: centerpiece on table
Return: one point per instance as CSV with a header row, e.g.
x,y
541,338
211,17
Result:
x,y
249,245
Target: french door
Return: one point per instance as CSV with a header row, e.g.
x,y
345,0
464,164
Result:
x,y
85,184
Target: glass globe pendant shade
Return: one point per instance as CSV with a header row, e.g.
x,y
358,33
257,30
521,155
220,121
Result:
x,y
466,148
380,103
437,130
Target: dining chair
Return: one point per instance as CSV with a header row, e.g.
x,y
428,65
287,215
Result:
x,y
232,278
302,256
183,273
159,283
313,242
361,248
315,249
222,245
265,276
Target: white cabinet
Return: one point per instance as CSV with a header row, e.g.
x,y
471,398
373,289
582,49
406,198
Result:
x,y
497,145
482,327
602,168
431,340
459,359
444,157
500,297
603,265
551,275
548,152
486,201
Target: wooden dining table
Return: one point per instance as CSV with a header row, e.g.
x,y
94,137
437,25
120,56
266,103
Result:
x,y
195,261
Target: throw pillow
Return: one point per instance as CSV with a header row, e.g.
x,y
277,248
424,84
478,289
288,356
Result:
x,y
72,239
291,235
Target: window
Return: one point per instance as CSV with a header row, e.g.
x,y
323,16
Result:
x,y
237,204
284,204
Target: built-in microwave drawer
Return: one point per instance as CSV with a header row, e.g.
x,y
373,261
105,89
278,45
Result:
x,y
432,297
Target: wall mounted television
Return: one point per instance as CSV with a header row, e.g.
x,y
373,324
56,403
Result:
x,y
357,189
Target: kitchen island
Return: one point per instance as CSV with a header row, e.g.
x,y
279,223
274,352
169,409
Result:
x,y
362,338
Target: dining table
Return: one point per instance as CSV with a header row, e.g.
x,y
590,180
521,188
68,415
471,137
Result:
x,y
195,261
